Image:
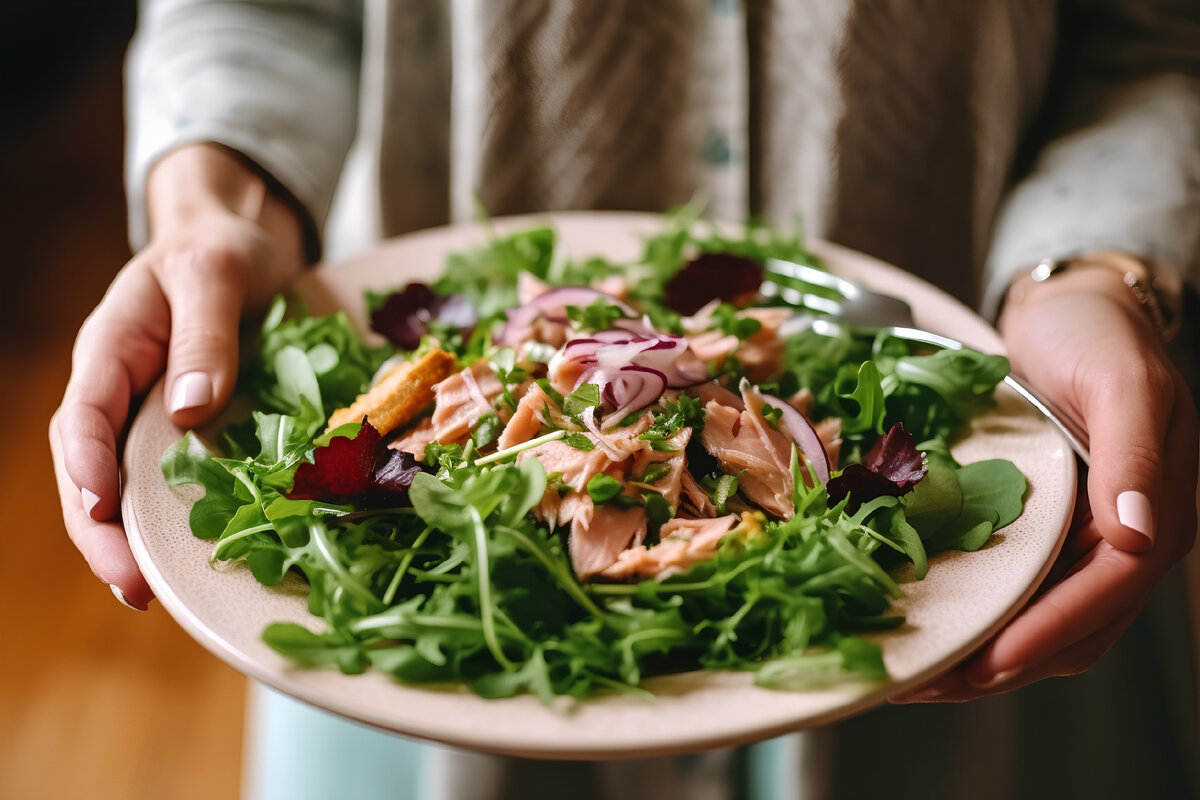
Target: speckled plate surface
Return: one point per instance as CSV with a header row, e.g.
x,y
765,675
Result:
x,y
963,601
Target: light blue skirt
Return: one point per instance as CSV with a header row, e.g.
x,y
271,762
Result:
x,y
1125,729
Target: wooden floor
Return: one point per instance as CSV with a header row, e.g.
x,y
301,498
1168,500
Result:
x,y
96,701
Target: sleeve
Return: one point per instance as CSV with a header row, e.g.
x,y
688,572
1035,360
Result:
x,y
1121,166
274,80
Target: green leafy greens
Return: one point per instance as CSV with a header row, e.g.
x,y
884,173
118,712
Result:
x,y
457,581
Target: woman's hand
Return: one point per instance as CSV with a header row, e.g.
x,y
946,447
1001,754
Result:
x,y
222,244
1084,341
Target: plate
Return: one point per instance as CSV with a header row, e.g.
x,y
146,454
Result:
x,y
964,600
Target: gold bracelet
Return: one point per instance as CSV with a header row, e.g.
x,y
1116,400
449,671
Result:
x,y
1157,289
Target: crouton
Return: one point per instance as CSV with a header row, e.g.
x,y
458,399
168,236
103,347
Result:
x,y
399,395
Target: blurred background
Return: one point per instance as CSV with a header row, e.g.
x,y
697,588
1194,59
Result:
x,y
96,701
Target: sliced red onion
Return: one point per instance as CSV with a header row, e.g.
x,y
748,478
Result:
x,y
641,326
604,442
671,356
795,426
632,389
614,336
553,306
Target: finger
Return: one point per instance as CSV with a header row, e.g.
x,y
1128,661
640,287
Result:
x,y
1128,410
206,291
1106,585
103,544
956,687
114,359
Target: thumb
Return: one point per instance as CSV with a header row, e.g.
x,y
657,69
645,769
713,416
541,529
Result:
x,y
206,290
1128,408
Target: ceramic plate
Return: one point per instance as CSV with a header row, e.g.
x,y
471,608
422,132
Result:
x,y
963,601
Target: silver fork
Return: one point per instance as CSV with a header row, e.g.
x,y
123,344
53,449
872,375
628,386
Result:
x,y
860,307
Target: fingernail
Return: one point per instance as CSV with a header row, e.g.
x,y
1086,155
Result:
x,y
90,500
1133,510
191,389
117,593
996,680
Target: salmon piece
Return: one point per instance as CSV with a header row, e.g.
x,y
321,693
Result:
x,y
576,467
829,431
683,542
530,286
670,485
600,537
548,332
527,419
693,500
614,286
599,533
713,391
462,399
414,440
803,401
712,346
564,374
745,445
402,393
761,354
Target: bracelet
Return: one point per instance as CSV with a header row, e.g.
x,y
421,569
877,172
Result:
x,y
1156,289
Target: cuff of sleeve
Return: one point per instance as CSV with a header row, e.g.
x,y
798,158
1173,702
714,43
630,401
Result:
x,y
1008,264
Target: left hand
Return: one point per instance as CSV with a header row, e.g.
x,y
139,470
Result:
x,y
1083,341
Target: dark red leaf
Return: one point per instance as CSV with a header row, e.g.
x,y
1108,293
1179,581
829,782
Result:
x,y
726,277
348,469
892,467
395,471
404,317
895,456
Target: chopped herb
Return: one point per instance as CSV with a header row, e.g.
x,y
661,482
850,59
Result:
x,y
603,488
585,397
771,414
684,412
599,315
579,441
727,319
655,472
487,429
720,488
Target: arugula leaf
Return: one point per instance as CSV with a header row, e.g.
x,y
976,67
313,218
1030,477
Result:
x,y
868,395
189,462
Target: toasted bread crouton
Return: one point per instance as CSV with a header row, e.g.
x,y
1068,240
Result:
x,y
400,395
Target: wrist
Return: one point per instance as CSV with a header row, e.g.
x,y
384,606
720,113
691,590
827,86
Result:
x,y
1148,292
200,183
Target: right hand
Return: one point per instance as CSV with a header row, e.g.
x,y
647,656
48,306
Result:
x,y
221,245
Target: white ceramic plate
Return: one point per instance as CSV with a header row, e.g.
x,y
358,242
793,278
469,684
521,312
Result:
x,y
963,601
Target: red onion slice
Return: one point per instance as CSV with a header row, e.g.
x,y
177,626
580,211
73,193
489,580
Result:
x,y
632,389
794,425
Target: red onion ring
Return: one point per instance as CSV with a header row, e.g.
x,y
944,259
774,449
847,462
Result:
x,y
794,425
632,389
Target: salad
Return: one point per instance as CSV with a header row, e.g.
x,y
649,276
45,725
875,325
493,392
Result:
x,y
561,476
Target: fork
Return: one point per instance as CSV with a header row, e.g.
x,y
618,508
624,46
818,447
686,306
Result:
x,y
860,307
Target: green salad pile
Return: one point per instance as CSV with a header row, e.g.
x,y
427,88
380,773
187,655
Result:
x,y
434,569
